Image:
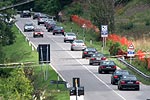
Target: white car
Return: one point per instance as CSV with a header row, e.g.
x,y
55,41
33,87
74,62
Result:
x,y
28,27
78,45
70,36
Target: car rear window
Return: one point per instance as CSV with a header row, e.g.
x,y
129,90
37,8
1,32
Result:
x,y
79,41
122,72
90,49
129,78
38,30
108,63
70,34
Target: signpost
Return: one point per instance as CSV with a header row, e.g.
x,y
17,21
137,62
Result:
x,y
76,92
104,34
130,51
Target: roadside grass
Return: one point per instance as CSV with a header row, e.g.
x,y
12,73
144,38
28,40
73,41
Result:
x,y
21,52
98,45
122,66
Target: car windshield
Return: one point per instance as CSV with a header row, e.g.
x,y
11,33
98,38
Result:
x,y
130,77
90,49
122,72
108,63
29,24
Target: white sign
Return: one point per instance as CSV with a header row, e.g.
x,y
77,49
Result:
x,y
130,50
104,30
130,53
77,98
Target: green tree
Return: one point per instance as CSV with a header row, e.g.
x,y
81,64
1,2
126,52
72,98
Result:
x,y
102,13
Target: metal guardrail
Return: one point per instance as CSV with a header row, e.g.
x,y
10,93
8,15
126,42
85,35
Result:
x,y
134,69
18,4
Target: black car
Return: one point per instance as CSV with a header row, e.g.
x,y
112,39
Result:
x,y
58,30
128,82
116,76
107,66
36,15
25,13
88,52
96,58
50,26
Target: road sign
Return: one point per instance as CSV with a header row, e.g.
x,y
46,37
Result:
x,y
131,46
130,53
104,30
44,53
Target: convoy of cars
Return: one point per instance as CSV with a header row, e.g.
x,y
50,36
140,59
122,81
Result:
x,y
122,78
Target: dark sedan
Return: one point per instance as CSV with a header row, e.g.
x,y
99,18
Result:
x,y
128,82
116,76
96,58
107,66
58,30
88,52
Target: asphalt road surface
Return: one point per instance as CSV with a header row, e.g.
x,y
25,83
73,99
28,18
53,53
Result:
x,y
70,64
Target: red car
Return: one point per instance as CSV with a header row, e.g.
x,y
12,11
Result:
x,y
38,33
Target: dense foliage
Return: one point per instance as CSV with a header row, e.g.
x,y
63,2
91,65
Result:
x,y
51,7
14,85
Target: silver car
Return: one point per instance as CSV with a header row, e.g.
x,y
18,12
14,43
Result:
x,y
78,45
28,27
70,36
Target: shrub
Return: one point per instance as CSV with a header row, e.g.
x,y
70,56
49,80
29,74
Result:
x,y
147,22
126,26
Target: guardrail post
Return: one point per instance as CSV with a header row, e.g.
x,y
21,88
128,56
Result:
x,y
32,48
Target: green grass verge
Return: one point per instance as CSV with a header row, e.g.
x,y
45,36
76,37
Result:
x,y
21,52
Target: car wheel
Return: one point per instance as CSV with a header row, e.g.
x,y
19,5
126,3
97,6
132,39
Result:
x,y
83,56
90,63
138,88
119,87
53,33
99,71
48,30
71,49
64,40
34,36
38,23
24,30
112,82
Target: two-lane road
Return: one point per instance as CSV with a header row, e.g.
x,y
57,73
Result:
x,y
70,64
